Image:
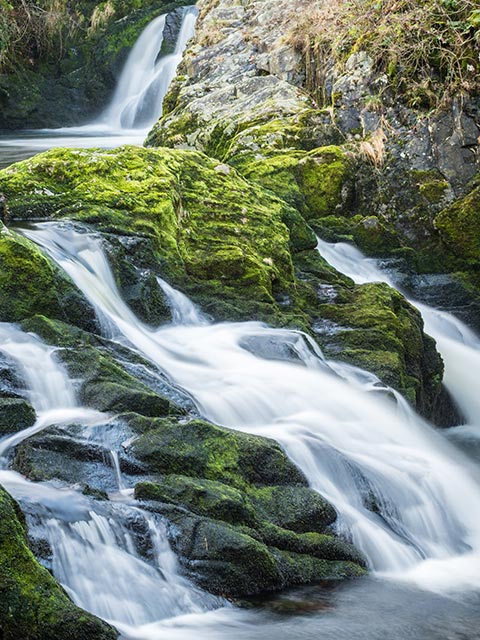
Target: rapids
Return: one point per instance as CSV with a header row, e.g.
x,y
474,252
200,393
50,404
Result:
x,y
420,530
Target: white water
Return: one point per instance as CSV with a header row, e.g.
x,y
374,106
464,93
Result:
x,y
457,344
182,308
348,439
136,104
94,555
49,389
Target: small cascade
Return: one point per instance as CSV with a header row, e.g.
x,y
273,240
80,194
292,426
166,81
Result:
x,y
49,388
137,102
406,496
96,560
94,553
48,385
457,344
182,308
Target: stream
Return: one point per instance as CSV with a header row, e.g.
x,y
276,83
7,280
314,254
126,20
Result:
x,y
424,534
422,542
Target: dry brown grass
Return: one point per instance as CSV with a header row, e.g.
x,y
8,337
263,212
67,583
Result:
x,y
373,148
428,48
102,14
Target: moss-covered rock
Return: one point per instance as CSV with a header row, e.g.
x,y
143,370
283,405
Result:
x,y
230,562
15,414
203,223
30,283
380,331
205,497
104,384
32,605
459,226
201,449
296,508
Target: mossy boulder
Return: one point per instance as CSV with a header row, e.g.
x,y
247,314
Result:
x,y
204,224
200,449
30,283
318,183
459,226
298,509
32,605
15,414
205,497
378,330
236,563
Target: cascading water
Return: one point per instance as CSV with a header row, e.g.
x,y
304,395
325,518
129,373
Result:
x,y
137,102
134,108
367,450
457,344
94,555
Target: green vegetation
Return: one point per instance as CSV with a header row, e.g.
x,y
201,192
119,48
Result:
x,y
15,414
428,49
30,283
245,522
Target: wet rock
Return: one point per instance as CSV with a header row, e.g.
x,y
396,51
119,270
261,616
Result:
x,y
295,508
16,414
201,449
32,603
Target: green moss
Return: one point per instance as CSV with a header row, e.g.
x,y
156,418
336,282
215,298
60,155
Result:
x,y
204,497
377,329
315,182
459,226
431,184
201,449
296,508
105,386
32,605
30,283
202,223
15,414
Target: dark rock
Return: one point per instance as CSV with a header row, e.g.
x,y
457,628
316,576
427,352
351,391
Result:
x,y
16,414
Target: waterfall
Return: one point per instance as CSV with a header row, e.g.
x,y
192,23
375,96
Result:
x,y
406,497
136,104
456,343
49,389
138,98
182,308
93,553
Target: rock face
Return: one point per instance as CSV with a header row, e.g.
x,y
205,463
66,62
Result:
x,y
242,99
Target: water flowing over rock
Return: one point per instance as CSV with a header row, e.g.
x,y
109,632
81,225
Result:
x,y
208,394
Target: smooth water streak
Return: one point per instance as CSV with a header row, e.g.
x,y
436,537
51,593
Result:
x,y
457,344
135,106
94,555
138,98
354,445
